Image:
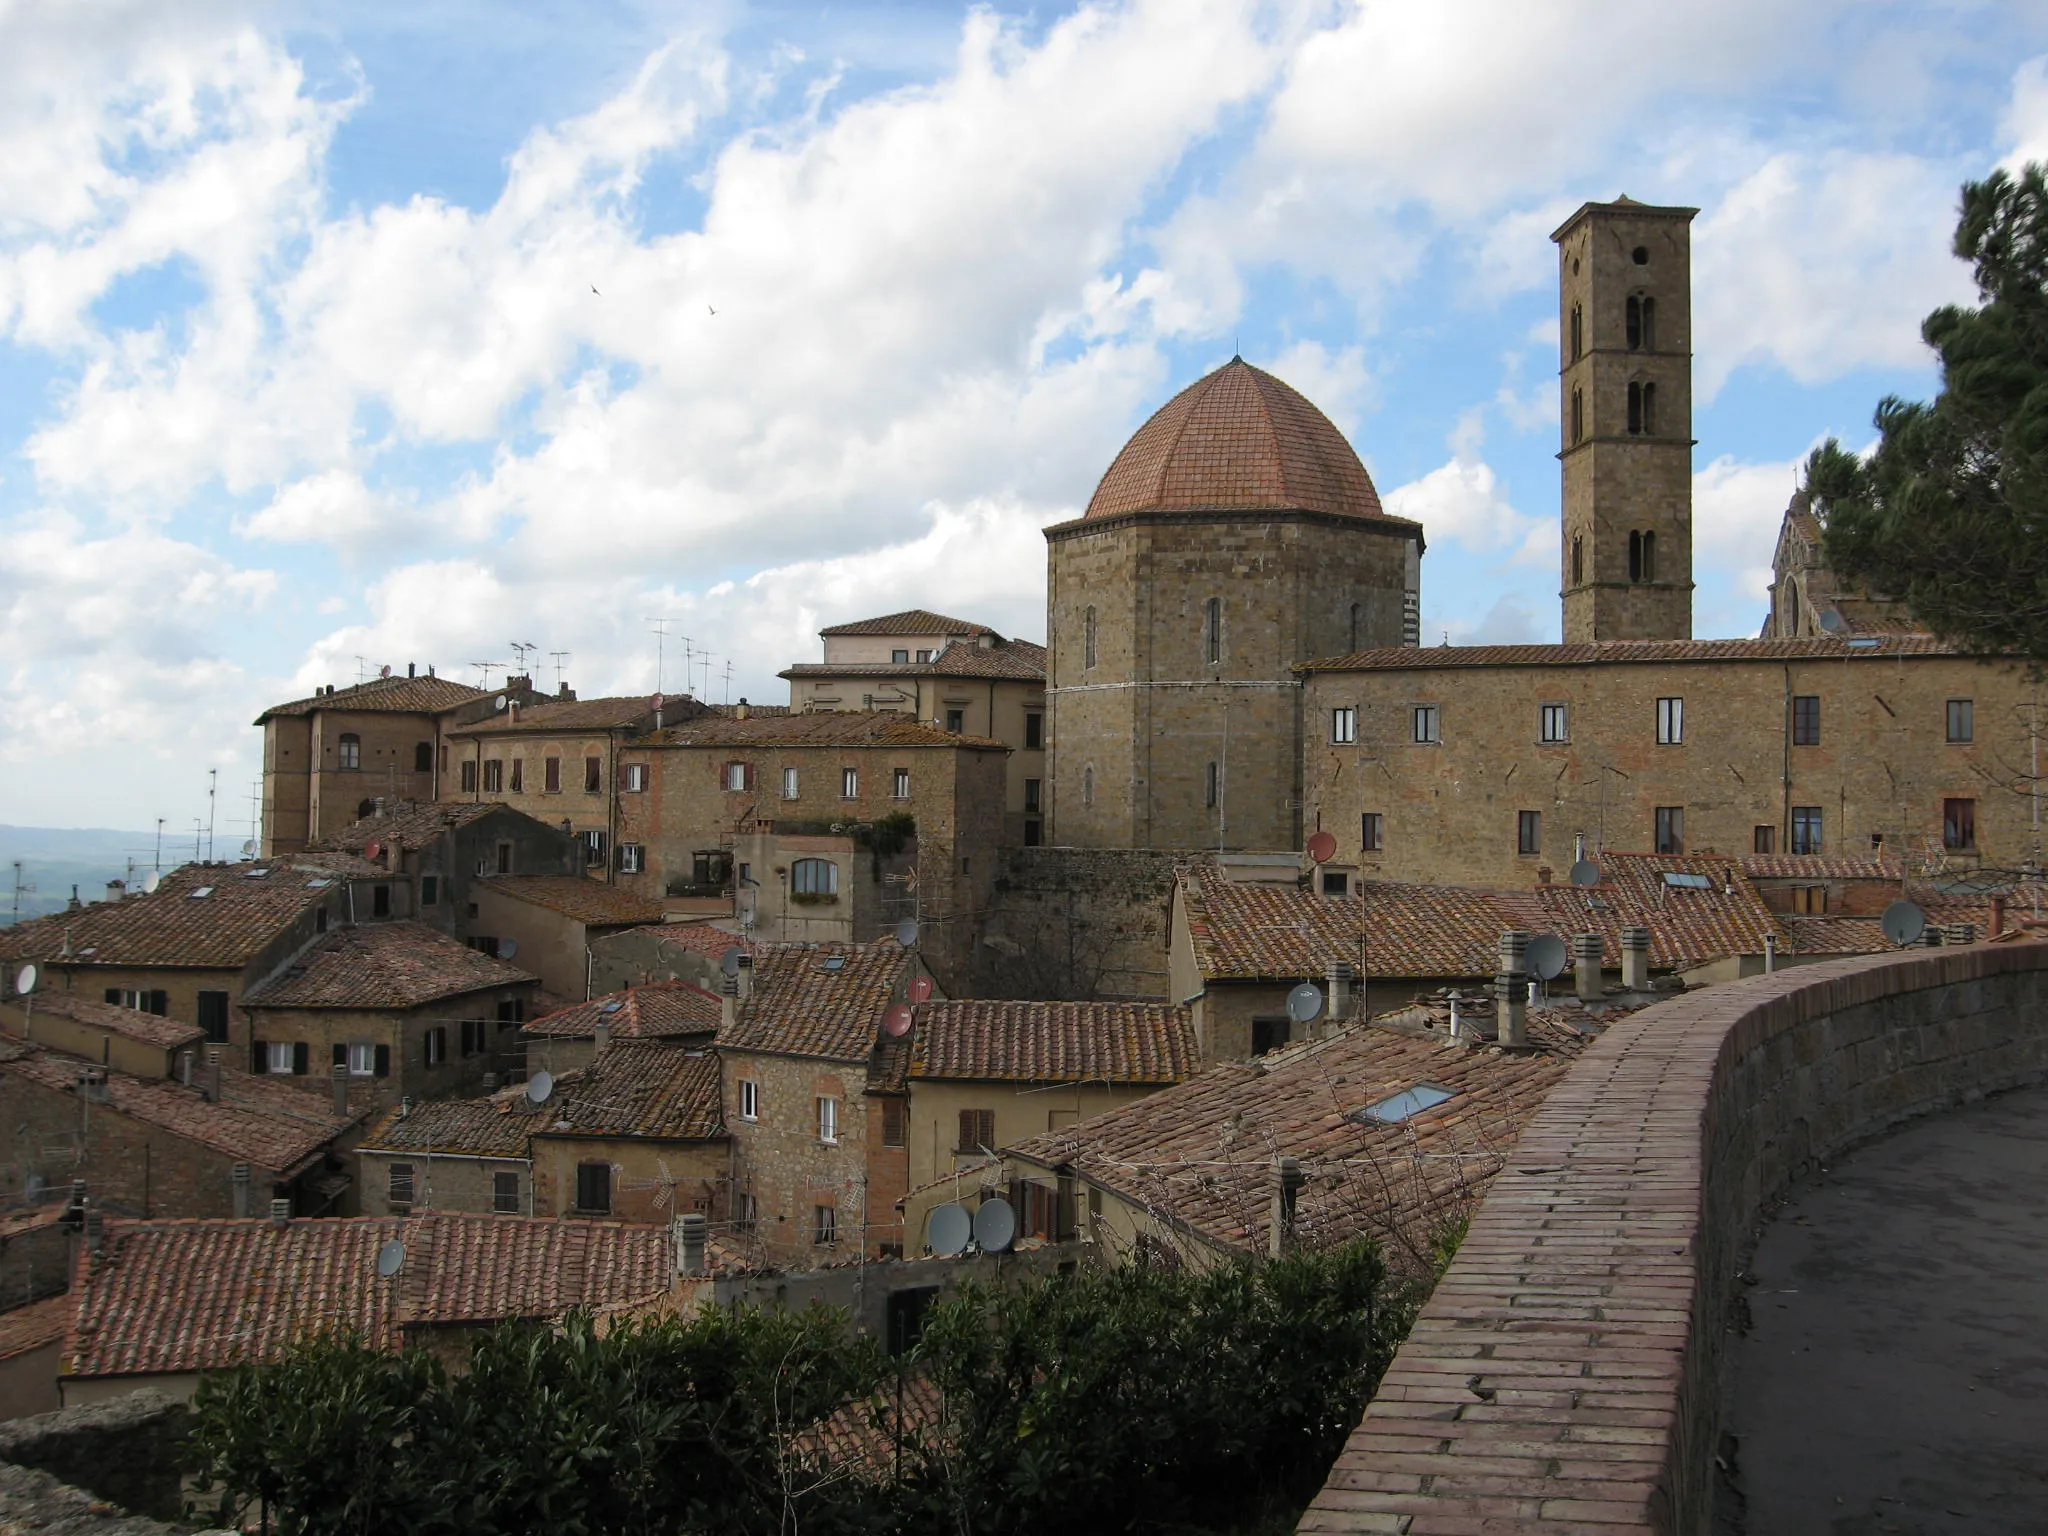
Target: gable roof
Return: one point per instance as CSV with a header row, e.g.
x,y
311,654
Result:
x,y
917,623
640,1089
203,1295
1046,1042
658,1010
812,1001
409,822
382,965
633,712
497,1126
383,695
701,938
579,898
819,728
1017,659
203,916
129,1023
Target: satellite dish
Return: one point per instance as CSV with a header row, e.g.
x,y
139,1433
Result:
x,y
951,1228
507,948
1903,922
897,1021
1304,1002
920,989
25,980
906,932
729,962
391,1258
1833,622
539,1087
499,702
249,848
1545,957
1323,847
1585,872
656,701
995,1225
374,850
151,881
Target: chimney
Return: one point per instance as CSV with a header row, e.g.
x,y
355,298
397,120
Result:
x,y
405,1107
211,1089
743,711
1511,990
745,979
691,1228
1770,953
116,889
1635,959
340,1076
490,1082
1997,916
95,1230
1287,1182
241,1190
1340,991
604,1035
1930,936
411,670
1587,949
1959,933
1468,1024
280,1213
185,1068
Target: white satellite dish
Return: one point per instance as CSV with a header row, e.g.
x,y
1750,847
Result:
x,y
951,1229
391,1258
906,932
1304,1002
995,1226
249,848
729,962
1903,922
25,980
539,1087
1585,872
507,948
499,702
151,881
1545,957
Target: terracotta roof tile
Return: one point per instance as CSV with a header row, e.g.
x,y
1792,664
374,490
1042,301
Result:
x,y
1410,658
920,623
810,1001
580,898
412,823
1039,1042
492,1127
1018,659
396,695
244,909
35,1325
586,715
382,965
201,1295
820,728
130,1023
659,1010
698,938
1820,866
661,1091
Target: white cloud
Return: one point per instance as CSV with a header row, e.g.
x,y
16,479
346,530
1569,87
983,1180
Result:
x,y
1737,509
331,507
1464,503
2026,118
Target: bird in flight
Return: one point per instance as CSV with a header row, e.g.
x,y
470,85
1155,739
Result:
x,y
707,306
593,289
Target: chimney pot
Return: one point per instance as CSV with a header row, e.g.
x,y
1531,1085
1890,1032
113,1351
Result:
x,y
1770,953
241,1190
691,1230
280,1213
743,711
1587,949
185,1068
1997,916
411,670
1511,1003
1635,958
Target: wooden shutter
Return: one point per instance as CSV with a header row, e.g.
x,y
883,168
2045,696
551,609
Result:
x,y
114,996
160,1004
259,1056
383,1065
340,1054
301,1058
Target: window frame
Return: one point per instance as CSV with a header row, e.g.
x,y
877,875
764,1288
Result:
x,y
825,1230
1088,638
1671,721
632,858
400,1176
1034,730
1961,712
828,1119
791,784
494,775
1428,724
1212,632
1344,725
551,775
500,1203
589,1173
803,875
1553,723
1959,824
1809,828
1667,835
750,1099
899,783
1528,834
972,1123
1805,719
849,783
348,752
1372,831
434,1046
632,778
279,1057
364,1051
593,773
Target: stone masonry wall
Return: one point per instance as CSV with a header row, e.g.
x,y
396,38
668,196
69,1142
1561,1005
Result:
x,y
129,1451
1077,923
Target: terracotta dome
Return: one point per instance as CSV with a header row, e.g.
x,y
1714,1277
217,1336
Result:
x,y
1237,438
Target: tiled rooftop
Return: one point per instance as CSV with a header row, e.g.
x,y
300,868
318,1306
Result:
x,y
698,938
1687,927
382,965
492,1127
634,712
1030,1042
1409,658
665,1092
32,1327
912,623
396,695
580,898
813,1001
412,823
1018,659
261,1120
658,1010
201,1295
130,1023
245,907
1820,866
821,728
1237,438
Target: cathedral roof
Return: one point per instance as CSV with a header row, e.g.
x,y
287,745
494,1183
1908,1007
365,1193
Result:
x,y
1237,439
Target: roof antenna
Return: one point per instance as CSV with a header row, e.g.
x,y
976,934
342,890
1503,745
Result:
x,y
561,660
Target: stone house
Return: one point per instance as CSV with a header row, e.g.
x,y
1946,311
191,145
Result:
x,y
451,1155
432,858
552,920
142,1044
567,1039
692,952
636,1135
961,676
31,1346
35,1251
399,1009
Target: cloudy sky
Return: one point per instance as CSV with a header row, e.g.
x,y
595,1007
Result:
x,y
338,335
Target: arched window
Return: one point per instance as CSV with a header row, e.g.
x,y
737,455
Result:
x,y
350,750
1649,325
1578,561
1635,408
1649,410
1088,638
1649,557
1635,555
1088,785
1212,630
423,757
1578,415
1578,334
1635,323
814,877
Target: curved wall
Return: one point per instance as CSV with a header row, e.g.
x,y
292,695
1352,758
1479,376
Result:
x,y
1565,1375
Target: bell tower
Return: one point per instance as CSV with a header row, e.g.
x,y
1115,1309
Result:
x,y
1625,320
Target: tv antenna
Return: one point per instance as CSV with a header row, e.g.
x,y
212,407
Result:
x,y
159,845
362,670
661,652
521,649
485,668
728,681
21,888
561,661
212,788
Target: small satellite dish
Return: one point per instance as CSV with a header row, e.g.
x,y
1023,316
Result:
x,y
951,1229
1903,922
1323,847
1833,622
25,980
507,948
897,1021
729,962
500,702
374,850
539,1087
391,1258
995,1225
383,671
920,989
151,881
1585,872
249,848
1546,957
1304,1002
906,932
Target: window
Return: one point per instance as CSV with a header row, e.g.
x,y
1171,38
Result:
x,y
814,877
1763,840
518,775
594,1188
360,1058
1428,728
1344,725
1810,900
593,775
1649,410
826,1225
1634,323
828,1121
399,1191
923,657
505,1193
437,1045
1406,1104
283,1056
1034,733
494,776
1649,325
1212,630
144,1001
1088,638
551,776
1670,835
1806,825
632,859
511,1012
469,775
1635,408
430,890
1959,825
736,776
1642,556
349,750
895,1122
956,721
1370,827
746,1211
1578,560
1554,722
1034,790
380,901
475,1041
1578,414
504,858
1962,720
1640,255
593,846
633,778
1336,882
1671,722
1213,779
750,1099
483,944
1528,831
423,757
899,784
1578,335
1088,785
849,783
977,1130
1034,833
900,658
213,1015
1806,720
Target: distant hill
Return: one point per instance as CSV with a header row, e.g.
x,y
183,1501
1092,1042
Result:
x,y
54,859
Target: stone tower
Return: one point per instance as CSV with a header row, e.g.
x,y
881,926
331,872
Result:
x,y
1625,314
1235,535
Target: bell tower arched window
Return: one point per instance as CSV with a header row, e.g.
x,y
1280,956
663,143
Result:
x,y
1088,637
1635,555
1578,415
1649,324
1212,630
1635,323
1578,561
1578,334
1649,556
1649,410
1635,409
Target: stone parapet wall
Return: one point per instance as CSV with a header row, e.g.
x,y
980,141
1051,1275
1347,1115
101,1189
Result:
x,y
1566,1374
129,1452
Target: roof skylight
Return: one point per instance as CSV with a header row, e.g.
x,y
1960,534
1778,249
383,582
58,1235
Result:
x,y
1406,1104
1687,882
